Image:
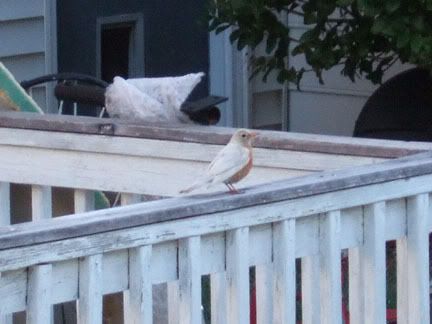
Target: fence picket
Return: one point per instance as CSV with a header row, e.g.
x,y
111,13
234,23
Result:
x,y
5,220
218,298
90,290
41,202
264,293
355,288
39,308
173,302
237,259
310,286
284,279
418,258
330,274
374,263
84,200
402,280
190,280
138,301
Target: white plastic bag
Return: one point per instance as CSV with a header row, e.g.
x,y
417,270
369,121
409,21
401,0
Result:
x,y
151,99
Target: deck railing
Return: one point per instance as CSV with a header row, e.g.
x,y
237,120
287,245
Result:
x,y
176,241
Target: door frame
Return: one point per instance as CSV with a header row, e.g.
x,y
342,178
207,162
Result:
x,y
136,49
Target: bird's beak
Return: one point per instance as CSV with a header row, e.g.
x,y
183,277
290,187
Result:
x,y
254,134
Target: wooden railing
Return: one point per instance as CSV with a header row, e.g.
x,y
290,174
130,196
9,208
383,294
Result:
x,y
129,249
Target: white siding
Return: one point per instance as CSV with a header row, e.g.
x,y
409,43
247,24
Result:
x,y
27,31
331,108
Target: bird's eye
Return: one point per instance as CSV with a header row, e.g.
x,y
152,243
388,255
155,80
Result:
x,y
243,135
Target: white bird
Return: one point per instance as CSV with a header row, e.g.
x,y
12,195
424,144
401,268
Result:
x,y
230,165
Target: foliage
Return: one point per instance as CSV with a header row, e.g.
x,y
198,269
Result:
x,y
366,37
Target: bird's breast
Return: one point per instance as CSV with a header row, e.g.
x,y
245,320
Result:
x,y
243,172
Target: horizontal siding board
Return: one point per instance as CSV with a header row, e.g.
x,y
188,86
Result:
x,y
21,9
22,37
25,67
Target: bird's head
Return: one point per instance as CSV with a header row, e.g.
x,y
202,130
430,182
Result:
x,y
244,137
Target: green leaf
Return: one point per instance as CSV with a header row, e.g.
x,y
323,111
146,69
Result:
x,y
392,5
309,35
344,3
271,43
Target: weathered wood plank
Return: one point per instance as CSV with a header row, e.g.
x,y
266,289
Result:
x,y
211,135
218,298
402,280
284,277
39,309
264,296
310,287
356,291
418,258
128,199
173,302
151,148
90,290
83,201
138,301
5,220
13,291
374,263
190,280
380,178
88,170
330,274
5,207
41,202
238,276
132,235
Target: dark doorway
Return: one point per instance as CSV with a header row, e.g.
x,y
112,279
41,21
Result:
x,y
115,47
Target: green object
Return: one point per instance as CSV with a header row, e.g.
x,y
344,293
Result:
x,y
101,200
363,37
13,96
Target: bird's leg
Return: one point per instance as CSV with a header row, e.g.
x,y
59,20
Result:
x,y
229,187
232,189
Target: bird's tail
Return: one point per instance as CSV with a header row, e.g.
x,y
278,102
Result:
x,y
196,185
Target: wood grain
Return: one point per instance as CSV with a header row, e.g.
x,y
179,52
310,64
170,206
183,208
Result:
x,y
209,135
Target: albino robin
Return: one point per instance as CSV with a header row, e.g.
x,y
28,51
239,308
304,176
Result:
x,y
230,165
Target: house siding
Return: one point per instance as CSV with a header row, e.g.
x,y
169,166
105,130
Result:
x,y
28,42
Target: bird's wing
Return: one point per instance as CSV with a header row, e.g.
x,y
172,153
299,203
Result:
x,y
231,159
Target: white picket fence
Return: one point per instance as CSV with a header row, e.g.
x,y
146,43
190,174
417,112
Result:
x,y
130,249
